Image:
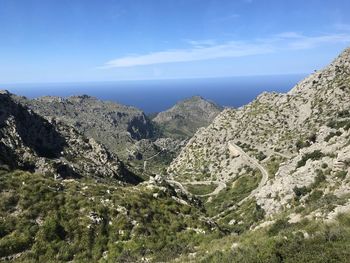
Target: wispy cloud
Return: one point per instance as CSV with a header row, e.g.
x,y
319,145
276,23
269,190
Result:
x,y
201,43
210,49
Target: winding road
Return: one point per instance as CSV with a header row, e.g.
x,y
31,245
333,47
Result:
x,y
265,176
235,150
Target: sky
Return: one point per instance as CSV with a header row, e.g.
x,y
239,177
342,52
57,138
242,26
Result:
x,y
110,40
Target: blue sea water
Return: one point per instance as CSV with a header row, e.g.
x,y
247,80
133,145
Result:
x,y
157,95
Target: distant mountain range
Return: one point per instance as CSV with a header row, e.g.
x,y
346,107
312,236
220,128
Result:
x,y
126,131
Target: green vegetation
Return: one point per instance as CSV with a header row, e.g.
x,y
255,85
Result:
x,y
337,124
331,135
300,191
307,241
303,143
260,156
315,155
341,174
273,164
53,221
237,190
201,189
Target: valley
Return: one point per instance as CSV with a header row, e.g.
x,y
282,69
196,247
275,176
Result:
x,y
85,179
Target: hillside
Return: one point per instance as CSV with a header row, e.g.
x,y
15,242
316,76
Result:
x,y
32,143
185,117
126,131
114,125
45,220
267,182
296,144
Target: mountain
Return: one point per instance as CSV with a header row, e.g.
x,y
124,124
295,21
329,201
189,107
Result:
x,y
126,131
48,146
112,124
58,187
286,149
267,182
185,117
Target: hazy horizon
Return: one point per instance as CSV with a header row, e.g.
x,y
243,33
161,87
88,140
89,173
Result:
x,y
158,95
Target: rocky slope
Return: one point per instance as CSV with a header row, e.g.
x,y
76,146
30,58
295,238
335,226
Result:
x,y
114,125
125,131
48,146
261,175
185,117
298,138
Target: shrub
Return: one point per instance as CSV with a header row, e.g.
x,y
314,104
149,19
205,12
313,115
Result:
x,y
301,144
278,226
320,177
331,135
341,174
300,191
260,156
315,155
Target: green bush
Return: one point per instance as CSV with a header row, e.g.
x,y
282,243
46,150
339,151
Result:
x,y
315,155
332,134
320,177
300,191
279,225
53,221
341,174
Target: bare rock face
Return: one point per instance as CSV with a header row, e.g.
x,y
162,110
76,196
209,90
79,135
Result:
x,y
185,117
309,124
48,146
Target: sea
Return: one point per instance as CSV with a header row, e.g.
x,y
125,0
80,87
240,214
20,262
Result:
x,y
153,96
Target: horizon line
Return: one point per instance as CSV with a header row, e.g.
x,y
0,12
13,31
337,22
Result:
x,y
151,79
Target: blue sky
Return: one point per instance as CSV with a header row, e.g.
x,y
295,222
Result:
x,y
95,40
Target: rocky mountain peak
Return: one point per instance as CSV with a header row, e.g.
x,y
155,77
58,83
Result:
x,y
186,116
4,92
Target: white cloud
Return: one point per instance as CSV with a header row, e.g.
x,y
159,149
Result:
x,y
310,42
210,49
201,43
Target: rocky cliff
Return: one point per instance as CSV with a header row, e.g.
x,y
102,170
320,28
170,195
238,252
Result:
x,y
48,146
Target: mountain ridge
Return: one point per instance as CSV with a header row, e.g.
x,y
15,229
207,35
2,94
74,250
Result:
x,y
286,128
186,116
48,146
